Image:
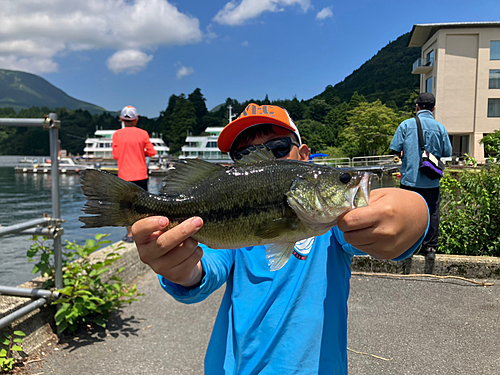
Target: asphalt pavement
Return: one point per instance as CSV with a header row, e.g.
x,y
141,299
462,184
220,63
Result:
x,y
396,326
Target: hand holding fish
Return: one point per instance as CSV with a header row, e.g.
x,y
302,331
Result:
x,y
175,256
394,220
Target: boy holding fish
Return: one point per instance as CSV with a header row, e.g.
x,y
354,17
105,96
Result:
x,y
293,319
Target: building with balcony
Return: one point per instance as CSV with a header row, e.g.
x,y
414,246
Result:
x,y
460,65
100,147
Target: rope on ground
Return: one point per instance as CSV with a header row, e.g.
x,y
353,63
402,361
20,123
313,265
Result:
x,y
371,355
482,283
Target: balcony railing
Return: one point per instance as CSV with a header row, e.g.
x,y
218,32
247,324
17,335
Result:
x,y
422,66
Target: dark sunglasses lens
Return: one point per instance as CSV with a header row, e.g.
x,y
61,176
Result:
x,y
279,147
238,154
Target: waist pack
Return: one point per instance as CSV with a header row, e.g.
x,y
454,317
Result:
x,y
430,165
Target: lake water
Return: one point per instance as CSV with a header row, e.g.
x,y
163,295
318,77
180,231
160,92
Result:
x,y
25,196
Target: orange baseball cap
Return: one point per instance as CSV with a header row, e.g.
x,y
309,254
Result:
x,y
255,115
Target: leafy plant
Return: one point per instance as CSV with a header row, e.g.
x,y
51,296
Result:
x,y
470,212
7,346
86,296
492,142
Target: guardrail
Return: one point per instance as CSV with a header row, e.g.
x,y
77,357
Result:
x,y
359,161
48,226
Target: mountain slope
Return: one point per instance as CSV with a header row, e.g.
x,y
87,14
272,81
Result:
x,y
386,76
25,90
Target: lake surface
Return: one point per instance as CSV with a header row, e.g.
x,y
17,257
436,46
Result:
x,y
25,196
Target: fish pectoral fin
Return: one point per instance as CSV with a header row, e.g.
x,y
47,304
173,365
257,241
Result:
x,y
278,255
277,227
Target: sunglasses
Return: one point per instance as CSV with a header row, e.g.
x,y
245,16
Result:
x,y
279,147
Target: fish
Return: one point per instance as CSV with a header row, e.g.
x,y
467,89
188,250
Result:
x,y
259,200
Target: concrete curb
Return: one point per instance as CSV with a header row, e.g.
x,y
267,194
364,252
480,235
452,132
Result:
x,y
471,267
39,325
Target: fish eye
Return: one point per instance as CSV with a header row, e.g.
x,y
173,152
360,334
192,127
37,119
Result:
x,y
345,177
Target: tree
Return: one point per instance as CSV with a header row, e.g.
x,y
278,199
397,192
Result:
x,y
335,122
312,134
177,122
370,130
200,108
317,110
356,100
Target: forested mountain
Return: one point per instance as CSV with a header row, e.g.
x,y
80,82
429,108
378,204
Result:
x,y
343,120
21,90
386,76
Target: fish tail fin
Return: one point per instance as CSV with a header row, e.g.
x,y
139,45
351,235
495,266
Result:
x,y
278,255
110,198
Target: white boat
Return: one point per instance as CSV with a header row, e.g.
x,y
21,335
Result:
x,y
66,165
100,146
204,147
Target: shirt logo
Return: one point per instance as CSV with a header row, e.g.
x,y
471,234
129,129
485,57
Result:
x,y
303,248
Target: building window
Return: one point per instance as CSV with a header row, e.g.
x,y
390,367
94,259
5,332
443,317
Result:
x,y
494,79
493,107
430,59
428,85
495,50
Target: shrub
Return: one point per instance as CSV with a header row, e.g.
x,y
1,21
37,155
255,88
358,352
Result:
x,y
470,212
85,297
8,345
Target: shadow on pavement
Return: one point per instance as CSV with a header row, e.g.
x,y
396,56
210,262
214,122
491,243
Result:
x,y
115,326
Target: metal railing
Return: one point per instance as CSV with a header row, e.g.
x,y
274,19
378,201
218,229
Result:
x,y
422,62
359,161
48,226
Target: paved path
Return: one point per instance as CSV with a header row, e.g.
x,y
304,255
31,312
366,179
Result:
x,y
425,326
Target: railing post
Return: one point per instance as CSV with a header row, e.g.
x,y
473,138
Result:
x,y
56,200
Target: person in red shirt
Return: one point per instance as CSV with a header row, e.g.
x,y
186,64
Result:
x,y
131,145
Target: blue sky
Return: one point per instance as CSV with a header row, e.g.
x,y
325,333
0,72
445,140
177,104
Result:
x,y
121,52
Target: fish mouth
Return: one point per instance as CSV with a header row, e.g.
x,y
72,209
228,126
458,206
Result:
x,y
359,195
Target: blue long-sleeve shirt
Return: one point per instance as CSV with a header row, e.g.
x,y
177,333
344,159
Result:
x,y
291,321
405,139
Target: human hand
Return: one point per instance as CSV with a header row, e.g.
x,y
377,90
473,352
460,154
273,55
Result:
x,y
172,253
391,224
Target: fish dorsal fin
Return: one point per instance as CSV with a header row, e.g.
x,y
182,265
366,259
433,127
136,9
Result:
x,y
188,174
260,153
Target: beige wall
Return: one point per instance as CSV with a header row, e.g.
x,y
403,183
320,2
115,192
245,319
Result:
x,y
460,82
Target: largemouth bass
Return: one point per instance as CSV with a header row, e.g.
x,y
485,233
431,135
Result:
x,y
258,201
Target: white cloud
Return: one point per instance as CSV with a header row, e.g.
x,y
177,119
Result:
x,y
128,61
237,14
33,33
183,71
245,43
324,13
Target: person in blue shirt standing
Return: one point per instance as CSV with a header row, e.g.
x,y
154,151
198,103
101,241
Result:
x,y
437,142
294,320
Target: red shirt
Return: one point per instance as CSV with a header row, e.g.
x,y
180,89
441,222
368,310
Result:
x,y
131,145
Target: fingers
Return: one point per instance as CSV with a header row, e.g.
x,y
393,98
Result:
x,y
147,229
394,220
172,253
185,270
